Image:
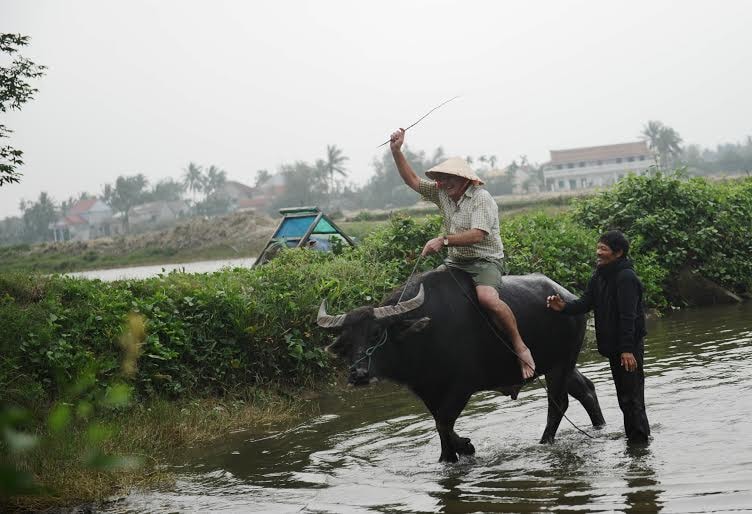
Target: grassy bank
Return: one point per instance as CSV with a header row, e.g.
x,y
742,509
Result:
x,y
152,435
70,346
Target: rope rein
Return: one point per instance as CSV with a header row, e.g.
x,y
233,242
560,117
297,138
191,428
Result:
x,y
370,350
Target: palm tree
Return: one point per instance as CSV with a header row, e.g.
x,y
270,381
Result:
x,y
214,179
669,146
193,179
651,134
334,163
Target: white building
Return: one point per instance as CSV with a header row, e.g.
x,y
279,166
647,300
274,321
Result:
x,y
595,166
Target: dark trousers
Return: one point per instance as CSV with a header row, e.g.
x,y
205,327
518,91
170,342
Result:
x,y
630,390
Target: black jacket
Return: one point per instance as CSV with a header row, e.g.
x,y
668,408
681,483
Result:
x,y
615,294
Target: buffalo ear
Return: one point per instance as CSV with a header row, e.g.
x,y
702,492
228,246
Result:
x,y
413,326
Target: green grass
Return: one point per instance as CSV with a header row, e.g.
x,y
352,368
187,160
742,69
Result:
x,y
155,433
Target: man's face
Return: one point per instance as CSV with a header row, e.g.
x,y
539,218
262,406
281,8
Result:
x,y
452,184
604,255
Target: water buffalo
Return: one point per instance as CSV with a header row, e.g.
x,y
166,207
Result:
x,y
440,344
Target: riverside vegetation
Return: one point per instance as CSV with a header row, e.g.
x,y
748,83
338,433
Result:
x,y
147,367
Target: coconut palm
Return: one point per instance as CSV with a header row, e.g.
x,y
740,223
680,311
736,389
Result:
x,y
214,179
334,163
663,141
669,146
193,178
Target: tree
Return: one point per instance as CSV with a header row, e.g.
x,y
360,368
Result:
x,y
304,185
167,190
663,141
334,164
128,191
193,179
262,177
669,147
37,217
15,90
214,179
213,203
651,133
386,189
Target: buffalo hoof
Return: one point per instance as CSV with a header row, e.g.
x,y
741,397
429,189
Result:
x,y
464,446
451,458
547,439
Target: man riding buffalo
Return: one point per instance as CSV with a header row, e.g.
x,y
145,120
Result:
x,y
471,236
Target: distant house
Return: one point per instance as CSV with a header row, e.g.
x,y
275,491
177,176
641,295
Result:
x,y
235,191
86,219
594,166
156,214
263,195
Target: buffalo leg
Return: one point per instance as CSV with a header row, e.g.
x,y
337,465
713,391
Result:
x,y
583,390
558,401
445,415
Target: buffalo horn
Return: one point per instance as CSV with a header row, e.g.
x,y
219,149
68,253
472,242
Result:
x,y
389,311
324,320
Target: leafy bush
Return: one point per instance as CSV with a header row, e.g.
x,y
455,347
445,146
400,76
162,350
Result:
x,y
205,334
683,222
564,250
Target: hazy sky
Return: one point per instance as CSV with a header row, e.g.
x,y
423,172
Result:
x,y
148,86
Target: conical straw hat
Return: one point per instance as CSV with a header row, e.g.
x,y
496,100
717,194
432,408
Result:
x,y
455,166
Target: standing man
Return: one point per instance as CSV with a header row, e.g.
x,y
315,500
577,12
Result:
x,y
614,292
471,235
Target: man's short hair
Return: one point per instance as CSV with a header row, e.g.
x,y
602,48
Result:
x,y
616,240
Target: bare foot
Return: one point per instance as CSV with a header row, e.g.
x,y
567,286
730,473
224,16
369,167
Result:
x,y
527,364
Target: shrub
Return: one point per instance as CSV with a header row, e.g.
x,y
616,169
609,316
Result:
x,y
683,222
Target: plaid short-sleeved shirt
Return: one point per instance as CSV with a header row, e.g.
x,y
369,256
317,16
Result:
x,y
476,209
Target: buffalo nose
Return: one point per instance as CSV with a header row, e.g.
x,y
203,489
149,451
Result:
x,y
358,376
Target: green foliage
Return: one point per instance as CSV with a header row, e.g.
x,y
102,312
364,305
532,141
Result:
x,y
127,192
401,242
692,222
15,90
37,217
204,334
564,250
556,247
386,189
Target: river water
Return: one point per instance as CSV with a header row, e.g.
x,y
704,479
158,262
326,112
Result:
x,y
376,450
141,272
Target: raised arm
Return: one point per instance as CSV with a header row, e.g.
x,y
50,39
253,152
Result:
x,y
405,171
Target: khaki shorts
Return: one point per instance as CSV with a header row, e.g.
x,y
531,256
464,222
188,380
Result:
x,y
484,272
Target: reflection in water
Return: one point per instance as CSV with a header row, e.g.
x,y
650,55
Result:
x,y
642,488
376,449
